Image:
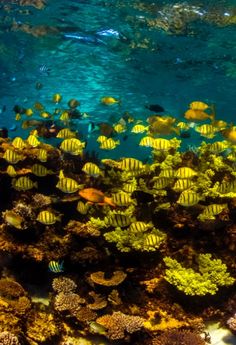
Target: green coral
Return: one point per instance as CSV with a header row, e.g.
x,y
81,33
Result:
x,y
97,222
126,240
171,161
212,274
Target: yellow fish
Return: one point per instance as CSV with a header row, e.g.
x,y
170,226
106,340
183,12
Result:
x,y
188,198
33,141
161,144
18,143
29,112
182,184
66,133
122,199
198,105
230,134
12,157
131,164
119,128
40,170
185,172
206,130
64,116
73,146
68,185
146,142
197,115
42,155
24,183
108,100
82,208
101,138
18,117
139,227
211,211
47,218
45,115
118,219
11,171
139,129
109,144
91,169
56,98
13,219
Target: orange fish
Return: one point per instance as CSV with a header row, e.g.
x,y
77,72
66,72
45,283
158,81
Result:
x,y
95,196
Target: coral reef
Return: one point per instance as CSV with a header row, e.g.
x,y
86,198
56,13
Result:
x,y
101,278
64,285
178,337
7,338
118,323
212,274
41,326
231,322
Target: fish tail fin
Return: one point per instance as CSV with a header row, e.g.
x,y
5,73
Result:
x,y
109,201
212,116
35,184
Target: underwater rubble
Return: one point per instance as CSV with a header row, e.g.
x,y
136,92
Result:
x,y
124,250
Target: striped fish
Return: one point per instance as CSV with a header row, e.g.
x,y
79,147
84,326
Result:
x,y
185,172
12,157
56,266
24,183
44,70
131,164
211,211
91,169
122,199
47,217
68,185
138,227
182,184
117,219
188,198
18,143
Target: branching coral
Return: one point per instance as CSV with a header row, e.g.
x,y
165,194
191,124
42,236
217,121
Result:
x,y
212,274
178,337
231,322
126,240
41,326
7,338
81,229
63,284
69,302
117,323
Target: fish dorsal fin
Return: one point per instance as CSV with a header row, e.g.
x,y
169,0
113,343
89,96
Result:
x,y
61,174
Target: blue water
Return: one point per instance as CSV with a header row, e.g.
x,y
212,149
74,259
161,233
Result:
x,y
132,50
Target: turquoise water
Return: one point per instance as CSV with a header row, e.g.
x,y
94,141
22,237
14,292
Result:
x,y
118,51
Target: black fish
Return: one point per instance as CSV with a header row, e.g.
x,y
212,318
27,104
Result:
x,y
185,134
155,107
142,197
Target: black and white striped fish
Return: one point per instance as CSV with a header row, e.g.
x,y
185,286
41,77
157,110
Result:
x,y
44,70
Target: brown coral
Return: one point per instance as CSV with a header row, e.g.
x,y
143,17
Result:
x,y
178,337
7,338
84,314
83,230
10,288
99,302
99,278
69,302
41,326
63,284
117,323
231,322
